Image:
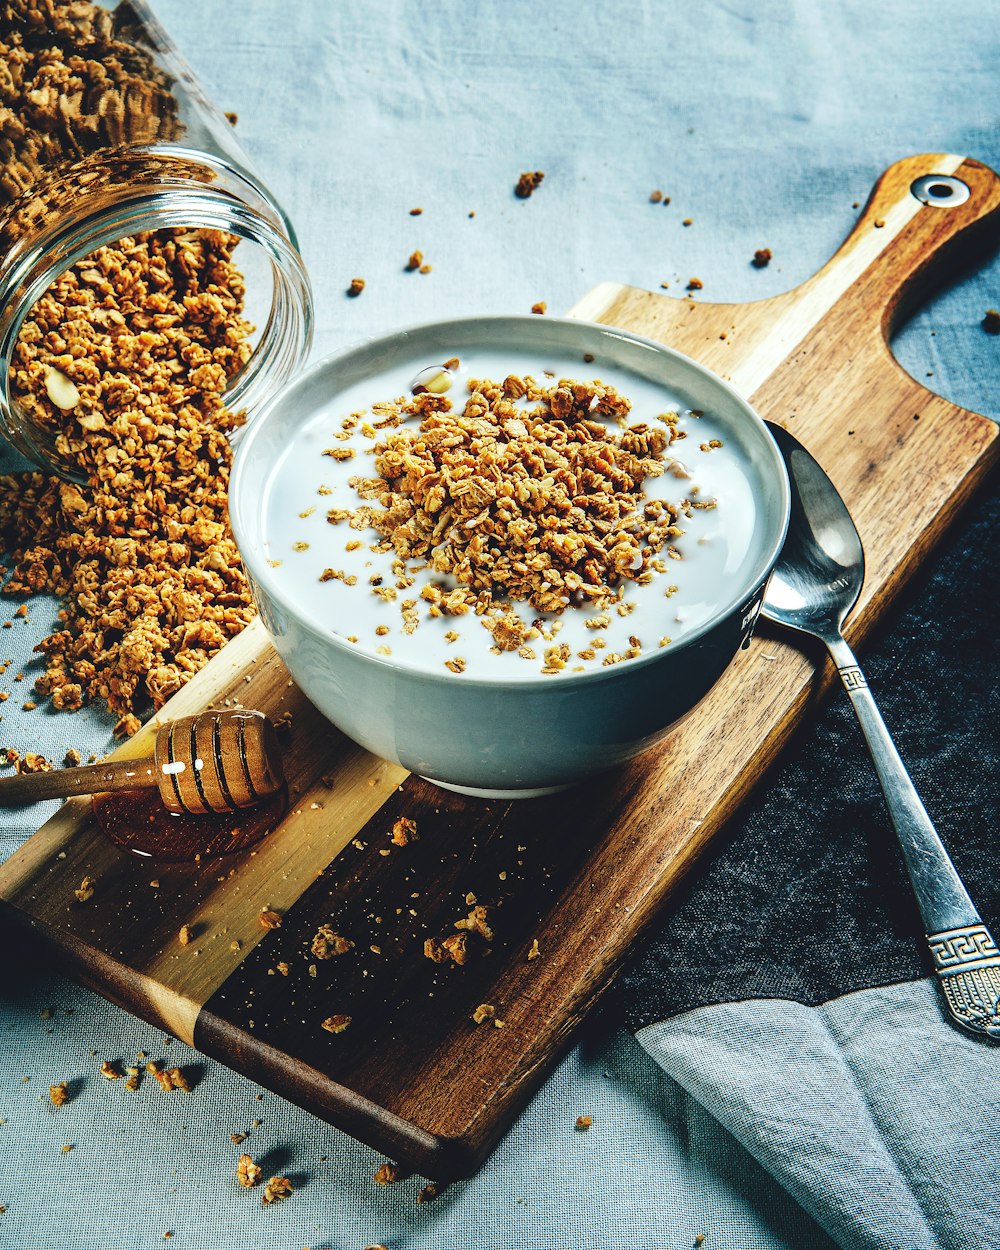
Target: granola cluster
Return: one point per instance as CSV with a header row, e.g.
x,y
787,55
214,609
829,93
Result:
x,y
147,333
526,494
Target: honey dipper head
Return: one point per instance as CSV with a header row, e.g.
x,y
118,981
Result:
x,y
217,762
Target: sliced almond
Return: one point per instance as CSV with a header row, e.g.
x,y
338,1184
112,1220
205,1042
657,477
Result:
x,y
61,390
435,378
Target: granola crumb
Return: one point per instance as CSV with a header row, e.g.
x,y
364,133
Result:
x,y
761,258
85,891
428,1193
269,919
415,212
454,947
388,1174
485,1011
336,1023
238,1138
539,308
185,934
168,1078
655,197
247,1172
277,1189
415,261
583,1122
688,221
32,762
533,951
991,321
528,184
59,1093
327,942
879,223
356,287
695,284
476,922
109,1070
425,268
178,1080
404,831
72,758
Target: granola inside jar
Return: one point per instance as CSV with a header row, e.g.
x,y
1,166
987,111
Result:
x,y
106,138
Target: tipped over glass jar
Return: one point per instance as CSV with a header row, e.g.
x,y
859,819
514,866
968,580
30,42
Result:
x,y
106,136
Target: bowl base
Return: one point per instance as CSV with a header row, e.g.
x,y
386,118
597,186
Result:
x,y
475,793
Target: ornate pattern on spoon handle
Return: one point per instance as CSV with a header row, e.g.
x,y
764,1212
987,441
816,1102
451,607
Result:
x,y
967,963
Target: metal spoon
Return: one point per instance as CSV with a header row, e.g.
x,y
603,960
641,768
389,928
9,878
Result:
x,y
815,584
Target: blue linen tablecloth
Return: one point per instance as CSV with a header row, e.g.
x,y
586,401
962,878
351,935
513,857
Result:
x,y
764,123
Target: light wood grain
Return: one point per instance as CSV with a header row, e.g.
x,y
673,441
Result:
x,y
583,873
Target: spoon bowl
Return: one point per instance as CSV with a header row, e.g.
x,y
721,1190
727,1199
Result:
x,y
821,569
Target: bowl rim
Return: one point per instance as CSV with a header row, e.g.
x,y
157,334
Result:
x,y
260,573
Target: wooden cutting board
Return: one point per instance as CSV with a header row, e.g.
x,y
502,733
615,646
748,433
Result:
x,y
583,872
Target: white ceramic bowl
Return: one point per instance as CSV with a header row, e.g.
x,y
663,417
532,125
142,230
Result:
x,y
490,736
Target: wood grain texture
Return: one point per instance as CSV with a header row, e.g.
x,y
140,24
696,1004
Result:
x,y
583,872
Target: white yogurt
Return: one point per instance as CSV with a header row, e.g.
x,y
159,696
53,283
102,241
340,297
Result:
x,y
304,484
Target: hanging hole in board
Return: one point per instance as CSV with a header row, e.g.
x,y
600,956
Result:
x,y
940,190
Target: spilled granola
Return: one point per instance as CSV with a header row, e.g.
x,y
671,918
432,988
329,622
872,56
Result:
x,y
149,333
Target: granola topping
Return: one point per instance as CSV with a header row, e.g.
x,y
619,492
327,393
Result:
x,y
509,526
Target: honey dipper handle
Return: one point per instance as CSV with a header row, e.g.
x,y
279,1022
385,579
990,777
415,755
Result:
x,y
88,779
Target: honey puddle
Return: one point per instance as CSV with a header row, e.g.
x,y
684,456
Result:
x,y
138,822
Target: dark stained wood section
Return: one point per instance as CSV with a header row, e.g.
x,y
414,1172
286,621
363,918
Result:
x,y
583,873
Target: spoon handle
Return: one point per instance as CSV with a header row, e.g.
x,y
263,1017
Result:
x,y
966,958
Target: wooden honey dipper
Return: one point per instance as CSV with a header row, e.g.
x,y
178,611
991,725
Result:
x,y
213,762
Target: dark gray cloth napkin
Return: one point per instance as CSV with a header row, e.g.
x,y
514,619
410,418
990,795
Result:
x,y
788,990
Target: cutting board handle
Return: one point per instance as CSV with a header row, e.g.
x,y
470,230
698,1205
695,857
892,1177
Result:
x,y
922,211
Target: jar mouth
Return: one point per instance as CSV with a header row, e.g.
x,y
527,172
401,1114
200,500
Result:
x,y
188,203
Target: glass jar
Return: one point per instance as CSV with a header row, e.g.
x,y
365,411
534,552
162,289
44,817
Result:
x,y
106,133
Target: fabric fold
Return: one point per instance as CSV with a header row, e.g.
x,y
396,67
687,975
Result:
x,y
871,1110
